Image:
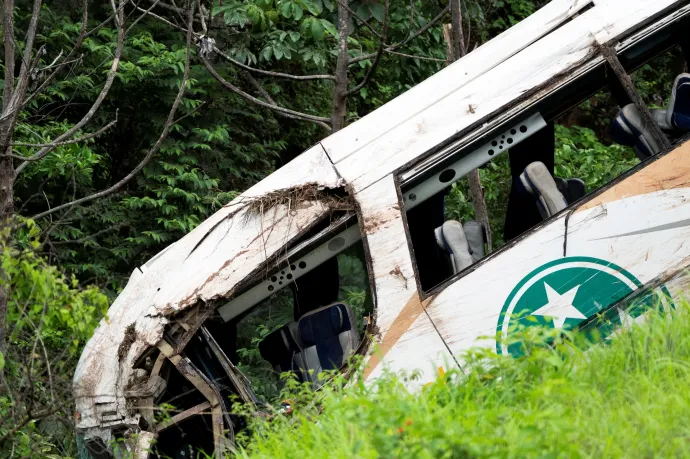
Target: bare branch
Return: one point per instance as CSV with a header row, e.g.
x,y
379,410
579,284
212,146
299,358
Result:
x,y
142,16
201,105
379,52
201,16
159,142
269,73
92,111
29,44
260,102
419,32
162,19
270,100
412,56
77,45
238,63
66,142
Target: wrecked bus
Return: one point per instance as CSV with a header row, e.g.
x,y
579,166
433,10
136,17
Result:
x,y
368,202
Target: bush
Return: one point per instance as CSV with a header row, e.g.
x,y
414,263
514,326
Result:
x,y
618,400
49,320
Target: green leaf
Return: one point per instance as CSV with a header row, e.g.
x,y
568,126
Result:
x,y
278,52
266,53
285,8
317,29
329,27
313,7
219,9
378,11
297,11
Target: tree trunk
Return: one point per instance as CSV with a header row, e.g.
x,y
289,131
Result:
x,y
341,82
455,46
6,163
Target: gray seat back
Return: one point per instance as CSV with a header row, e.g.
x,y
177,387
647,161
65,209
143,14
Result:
x,y
464,243
539,182
330,337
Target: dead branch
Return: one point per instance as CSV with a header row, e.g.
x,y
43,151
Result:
x,y
293,197
77,45
393,47
413,56
159,142
142,16
238,63
201,16
261,90
249,97
379,52
201,105
269,73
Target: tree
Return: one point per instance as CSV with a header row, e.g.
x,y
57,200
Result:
x,y
316,34
28,73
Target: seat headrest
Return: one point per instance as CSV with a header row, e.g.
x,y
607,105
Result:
x,y
280,345
324,322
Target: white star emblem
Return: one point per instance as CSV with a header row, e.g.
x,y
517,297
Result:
x,y
560,307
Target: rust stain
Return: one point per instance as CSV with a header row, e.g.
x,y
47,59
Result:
x,y
380,220
668,173
401,324
397,272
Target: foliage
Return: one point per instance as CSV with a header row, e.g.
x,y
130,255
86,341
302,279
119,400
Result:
x,y
51,318
221,145
619,400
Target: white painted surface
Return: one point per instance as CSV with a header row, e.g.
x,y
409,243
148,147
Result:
x,y
391,261
470,308
205,264
428,93
554,54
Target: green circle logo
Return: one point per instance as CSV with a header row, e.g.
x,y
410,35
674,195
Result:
x,y
564,293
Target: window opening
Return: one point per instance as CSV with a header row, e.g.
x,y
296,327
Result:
x,y
552,163
305,316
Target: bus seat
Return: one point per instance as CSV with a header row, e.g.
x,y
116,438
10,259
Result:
x,y
628,129
280,347
572,189
678,113
464,244
538,181
330,337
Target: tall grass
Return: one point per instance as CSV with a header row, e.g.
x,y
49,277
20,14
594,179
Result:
x,y
626,398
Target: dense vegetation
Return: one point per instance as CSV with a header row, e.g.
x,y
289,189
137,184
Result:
x,y
62,263
617,400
